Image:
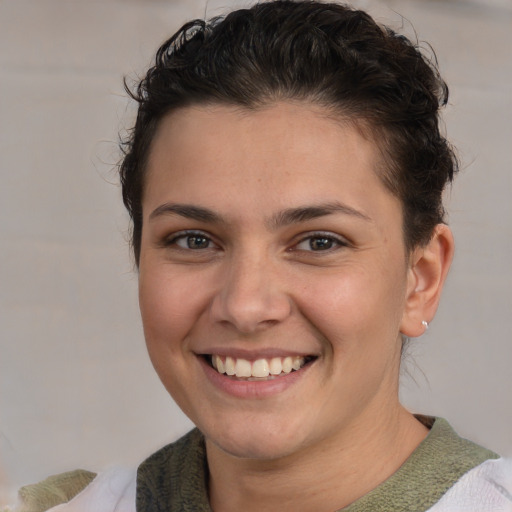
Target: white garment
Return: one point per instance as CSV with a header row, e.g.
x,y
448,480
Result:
x,y
111,491
486,488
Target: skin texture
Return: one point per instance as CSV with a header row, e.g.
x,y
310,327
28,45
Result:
x,y
297,248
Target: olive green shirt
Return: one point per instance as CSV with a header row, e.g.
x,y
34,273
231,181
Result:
x,y
175,478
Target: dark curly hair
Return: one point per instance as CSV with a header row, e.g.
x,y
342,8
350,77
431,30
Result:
x,y
325,53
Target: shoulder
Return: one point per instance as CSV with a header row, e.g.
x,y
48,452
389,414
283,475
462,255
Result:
x,y
182,462
485,488
53,491
437,465
81,491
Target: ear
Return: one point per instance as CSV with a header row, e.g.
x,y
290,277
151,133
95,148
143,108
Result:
x,y
428,268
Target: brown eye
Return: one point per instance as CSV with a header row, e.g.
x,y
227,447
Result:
x,y
197,242
321,244
194,241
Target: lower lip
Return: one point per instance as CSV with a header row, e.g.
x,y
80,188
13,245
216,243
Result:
x,y
252,389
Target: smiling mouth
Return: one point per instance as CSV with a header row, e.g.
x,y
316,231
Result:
x,y
259,369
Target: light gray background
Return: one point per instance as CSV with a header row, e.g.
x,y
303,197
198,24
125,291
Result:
x,y
76,386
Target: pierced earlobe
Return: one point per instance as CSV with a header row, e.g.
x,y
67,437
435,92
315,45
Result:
x,y
427,272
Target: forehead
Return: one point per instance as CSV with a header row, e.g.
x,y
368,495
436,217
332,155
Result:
x,y
286,152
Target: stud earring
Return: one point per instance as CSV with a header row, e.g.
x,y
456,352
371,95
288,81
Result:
x,y
425,324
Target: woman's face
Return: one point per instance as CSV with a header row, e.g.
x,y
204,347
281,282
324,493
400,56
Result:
x,y
269,241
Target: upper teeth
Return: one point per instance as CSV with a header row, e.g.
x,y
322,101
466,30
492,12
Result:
x,y
259,368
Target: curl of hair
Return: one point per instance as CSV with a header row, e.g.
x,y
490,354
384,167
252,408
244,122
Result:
x,y
326,53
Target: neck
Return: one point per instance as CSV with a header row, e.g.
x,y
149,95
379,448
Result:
x,y
325,477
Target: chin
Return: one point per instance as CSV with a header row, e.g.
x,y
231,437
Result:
x,y
254,450
256,441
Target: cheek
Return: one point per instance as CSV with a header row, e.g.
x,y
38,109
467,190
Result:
x,y
357,304
168,314
169,307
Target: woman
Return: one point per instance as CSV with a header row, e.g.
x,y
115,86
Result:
x,y
284,178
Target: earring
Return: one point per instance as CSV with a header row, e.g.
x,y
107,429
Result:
x,y
425,324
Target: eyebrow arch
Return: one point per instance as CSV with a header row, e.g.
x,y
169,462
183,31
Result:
x,y
188,211
282,218
305,213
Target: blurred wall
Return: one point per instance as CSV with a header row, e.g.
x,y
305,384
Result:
x,y
76,386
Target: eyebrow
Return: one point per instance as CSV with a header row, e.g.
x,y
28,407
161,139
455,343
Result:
x,y
305,213
188,211
280,219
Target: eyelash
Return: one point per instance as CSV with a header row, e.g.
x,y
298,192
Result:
x,y
187,235
334,241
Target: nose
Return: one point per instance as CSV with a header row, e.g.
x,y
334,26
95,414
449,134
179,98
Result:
x,y
251,296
